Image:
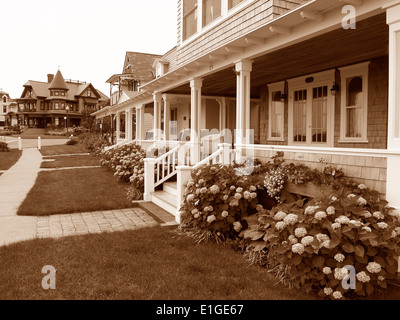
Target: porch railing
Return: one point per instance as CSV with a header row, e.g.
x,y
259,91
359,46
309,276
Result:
x,y
165,166
120,144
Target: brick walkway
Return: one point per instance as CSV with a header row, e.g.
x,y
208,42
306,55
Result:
x,y
93,222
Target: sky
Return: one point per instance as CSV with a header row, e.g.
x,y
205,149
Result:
x,y
86,39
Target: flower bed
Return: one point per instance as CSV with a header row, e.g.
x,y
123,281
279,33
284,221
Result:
x,y
311,243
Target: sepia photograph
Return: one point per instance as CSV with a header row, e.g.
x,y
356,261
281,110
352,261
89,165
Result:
x,y
200,158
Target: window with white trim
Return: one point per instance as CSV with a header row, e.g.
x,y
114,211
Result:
x,y
202,15
189,18
354,103
276,112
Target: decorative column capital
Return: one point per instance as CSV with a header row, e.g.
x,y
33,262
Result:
x,y
392,12
196,83
157,96
244,65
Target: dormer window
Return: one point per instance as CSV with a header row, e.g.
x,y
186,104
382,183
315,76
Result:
x,y
5,99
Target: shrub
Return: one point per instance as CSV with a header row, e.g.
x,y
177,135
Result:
x,y
308,243
127,162
315,241
4,147
93,142
218,198
72,142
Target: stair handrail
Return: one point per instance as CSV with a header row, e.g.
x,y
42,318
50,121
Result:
x,y
222,156
167,163
120,144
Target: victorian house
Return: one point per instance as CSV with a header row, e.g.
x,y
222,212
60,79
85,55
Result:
x,y
8,108
58,102
316,79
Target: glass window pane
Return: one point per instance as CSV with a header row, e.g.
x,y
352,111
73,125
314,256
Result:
x,y
354,109
300,116
211,11
355,89
233,3
319,115
189,18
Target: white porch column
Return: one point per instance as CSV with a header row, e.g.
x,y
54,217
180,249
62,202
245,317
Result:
x,y
157,115
128,129
243,68
118,126
138,124
167,116
183,177
222,114
393,170
195,85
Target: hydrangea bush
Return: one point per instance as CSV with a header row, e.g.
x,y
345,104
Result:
x,y
315,241
218,199
310,243
127,162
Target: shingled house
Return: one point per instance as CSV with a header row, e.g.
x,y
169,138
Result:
x,y
317,79
52,103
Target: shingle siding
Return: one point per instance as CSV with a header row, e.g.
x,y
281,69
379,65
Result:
x,y
250,18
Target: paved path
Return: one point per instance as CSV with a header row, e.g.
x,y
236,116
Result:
x,y
93,222
16,183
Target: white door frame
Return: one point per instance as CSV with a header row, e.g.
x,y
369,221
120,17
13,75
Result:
x,y
326,78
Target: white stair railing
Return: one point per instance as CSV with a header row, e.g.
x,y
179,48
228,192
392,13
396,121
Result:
x,y
120,144
165,166
222,156
158,170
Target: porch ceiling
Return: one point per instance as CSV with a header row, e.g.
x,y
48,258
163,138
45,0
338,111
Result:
x,y
332,50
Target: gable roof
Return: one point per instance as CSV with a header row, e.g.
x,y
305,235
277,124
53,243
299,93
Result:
x,y
140,65
41,89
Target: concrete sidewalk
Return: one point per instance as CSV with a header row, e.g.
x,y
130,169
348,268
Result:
x,y
16,182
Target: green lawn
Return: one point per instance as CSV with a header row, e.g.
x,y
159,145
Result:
x,y
8,159
149,264
72,161
63,149
73,191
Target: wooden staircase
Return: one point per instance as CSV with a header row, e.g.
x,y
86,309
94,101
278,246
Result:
x,y
167,197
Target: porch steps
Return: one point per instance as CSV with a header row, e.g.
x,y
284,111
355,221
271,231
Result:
x,y
166,198
158,213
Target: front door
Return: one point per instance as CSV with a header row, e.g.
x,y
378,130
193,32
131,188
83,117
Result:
x,y
311,110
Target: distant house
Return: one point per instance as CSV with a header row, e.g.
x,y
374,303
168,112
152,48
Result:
x,y
52,103
138,69
8,109
317,79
